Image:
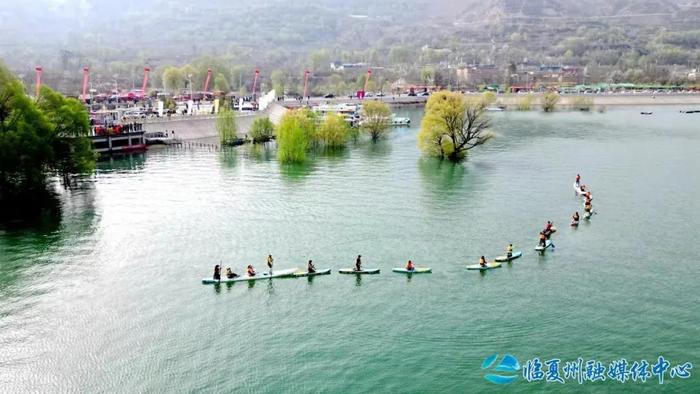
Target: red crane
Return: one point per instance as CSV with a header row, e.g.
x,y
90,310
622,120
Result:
x,y
206,82
306,83
86,79
39,71
361,93
255,82
146,71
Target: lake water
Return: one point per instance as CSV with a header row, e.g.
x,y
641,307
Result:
x,y
109,298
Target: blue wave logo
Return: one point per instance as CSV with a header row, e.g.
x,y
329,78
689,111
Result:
x,y
508,364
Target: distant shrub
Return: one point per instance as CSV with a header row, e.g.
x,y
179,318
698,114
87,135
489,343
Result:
x,y
262,130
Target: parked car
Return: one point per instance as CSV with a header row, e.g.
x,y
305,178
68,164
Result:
x,y
329,96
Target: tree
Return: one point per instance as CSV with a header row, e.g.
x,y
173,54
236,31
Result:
x,y
295,135
453,125
221,83
71,127
278,79
39,138
333,131
525,103
173,79
549,101
262,130
582,103
375,118
488,98
226,127
320,60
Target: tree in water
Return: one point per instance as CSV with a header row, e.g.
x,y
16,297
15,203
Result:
x,y
39,138
262,130
375,118
296,133
453,125
334,131
226,127
549,101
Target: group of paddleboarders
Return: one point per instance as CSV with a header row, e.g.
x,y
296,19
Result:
x,y
250,271
588,203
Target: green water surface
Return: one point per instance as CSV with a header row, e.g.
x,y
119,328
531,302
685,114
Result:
x,y
109,297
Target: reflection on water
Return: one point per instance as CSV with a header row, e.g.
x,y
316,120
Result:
x,y
261,152
376,149
121,163
441,176
228,157
297,172
37,208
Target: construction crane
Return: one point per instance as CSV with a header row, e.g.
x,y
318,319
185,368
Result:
x,y
306,84
146,71
206,82
86,79
361,93
39,71
255,83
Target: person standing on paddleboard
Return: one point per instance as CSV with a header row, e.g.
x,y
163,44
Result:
x,y
509,251
482,262
217,272
578,179
358,263
543,239
270,260
310,267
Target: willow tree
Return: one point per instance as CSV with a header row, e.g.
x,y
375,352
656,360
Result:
x,y
39,138
549,101
333,132
453,124
226,127
262,130
375,118
296,133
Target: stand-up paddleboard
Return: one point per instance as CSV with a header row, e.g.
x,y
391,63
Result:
x,y
515,255
478,267
541,248
318,272
417,270
361,272
246,278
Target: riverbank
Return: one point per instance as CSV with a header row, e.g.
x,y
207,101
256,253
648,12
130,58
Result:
x,y
204,128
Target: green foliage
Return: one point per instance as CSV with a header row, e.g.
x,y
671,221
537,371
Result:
x,y
279,81
582,103
262,130
173,80
452,125
334,131
36,138
549,101
525,102
488,98
221,83
295,135
226,127
375,118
